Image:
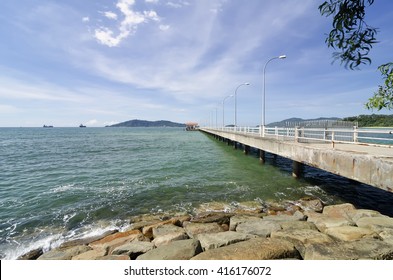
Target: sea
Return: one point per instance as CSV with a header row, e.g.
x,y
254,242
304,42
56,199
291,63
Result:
x,y
58,184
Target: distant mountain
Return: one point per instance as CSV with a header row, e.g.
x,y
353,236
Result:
x,y
297,120
143,123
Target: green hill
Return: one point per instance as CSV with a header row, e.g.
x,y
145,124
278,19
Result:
x,y
372,120
143,123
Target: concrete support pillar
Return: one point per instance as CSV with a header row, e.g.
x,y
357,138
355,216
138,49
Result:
x,y
297,169
246,149
235,145
262,158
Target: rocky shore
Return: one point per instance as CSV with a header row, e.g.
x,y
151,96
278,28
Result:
x,y
303,230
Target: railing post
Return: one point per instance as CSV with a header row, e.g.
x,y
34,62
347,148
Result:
x,y
263,130
355,134
296,134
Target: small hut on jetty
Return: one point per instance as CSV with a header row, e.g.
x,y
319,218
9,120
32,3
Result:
x,y
192,126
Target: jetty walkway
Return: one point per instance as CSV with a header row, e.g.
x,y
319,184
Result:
x,y
351,153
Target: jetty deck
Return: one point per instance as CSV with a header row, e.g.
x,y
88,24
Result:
x,y
340,154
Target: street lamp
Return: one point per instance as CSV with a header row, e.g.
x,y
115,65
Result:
x,y
244,84
223,101
264,89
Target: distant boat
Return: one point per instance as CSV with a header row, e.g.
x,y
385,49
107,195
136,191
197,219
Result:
x,y
47,126
81,125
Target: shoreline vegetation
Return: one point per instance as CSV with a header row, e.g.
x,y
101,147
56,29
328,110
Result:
x,y
305,229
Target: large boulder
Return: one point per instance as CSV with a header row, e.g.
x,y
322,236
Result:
x,y
260,228
193,229
339,210
305,236
375,223
64,253
114,258
176,250
220,218
252,249
297,216
350,233
91,255
387,235
148,230
31,255
239,219
112,241
361,213
326,222
220,239
133,249
302,237
366,248
310,204
292,225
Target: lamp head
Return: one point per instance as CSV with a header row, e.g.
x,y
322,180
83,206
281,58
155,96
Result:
x,y
282,56
247,84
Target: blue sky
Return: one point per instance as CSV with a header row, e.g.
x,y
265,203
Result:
x,y
99,62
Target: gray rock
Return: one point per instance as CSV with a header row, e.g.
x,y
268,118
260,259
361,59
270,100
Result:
x,y
261,228
91,255
366,248
297,216
193,229
64,254
292,225
375,223
252,249
31,255
134,249
350,233
170,237
339,210
167,229
239,219
326,222
361,213
216,240
220,218
387,235
311,204
305,236
302,237
114,258
176,250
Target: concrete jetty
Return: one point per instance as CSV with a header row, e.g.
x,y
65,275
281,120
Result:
x,y
372,165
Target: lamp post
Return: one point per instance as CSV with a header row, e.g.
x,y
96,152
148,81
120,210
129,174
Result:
x,y
223,101
244,84
264,91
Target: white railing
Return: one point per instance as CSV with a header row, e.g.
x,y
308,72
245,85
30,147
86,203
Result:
x,y
306,135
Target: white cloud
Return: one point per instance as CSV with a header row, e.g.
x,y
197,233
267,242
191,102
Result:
x,y
164,27
128,25
152,1
85,19
151,15
174,5
105,37
111,15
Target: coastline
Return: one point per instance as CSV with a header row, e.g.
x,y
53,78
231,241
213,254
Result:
x,y
304,230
